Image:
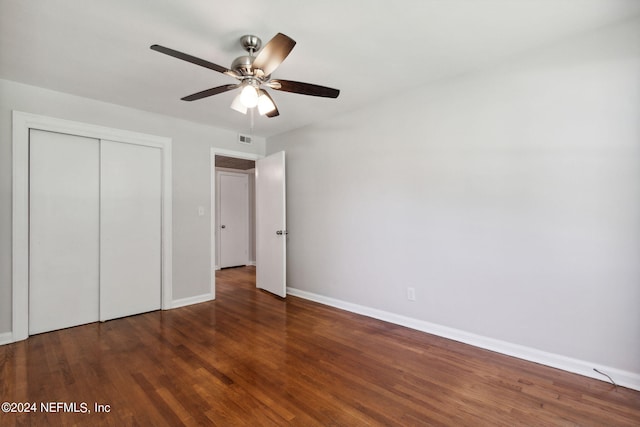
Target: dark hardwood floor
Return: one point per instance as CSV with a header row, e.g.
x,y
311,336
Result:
x,y
252,359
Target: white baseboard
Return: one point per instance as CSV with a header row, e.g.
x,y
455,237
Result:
x,y
252,263
6,338
191,300
581,367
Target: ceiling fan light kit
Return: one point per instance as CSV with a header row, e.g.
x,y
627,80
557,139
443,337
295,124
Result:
x,y
265,103
237,104
249,96
254,72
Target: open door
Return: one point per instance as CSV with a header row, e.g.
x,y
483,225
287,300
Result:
x,y
271,234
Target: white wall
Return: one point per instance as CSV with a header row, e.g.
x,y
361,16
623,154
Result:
x,y
252,217
508,198
191,176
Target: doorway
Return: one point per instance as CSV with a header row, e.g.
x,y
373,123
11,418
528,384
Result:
x,y
234,162
269,222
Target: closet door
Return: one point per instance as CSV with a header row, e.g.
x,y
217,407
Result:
x,y
130,229
63,230
234,219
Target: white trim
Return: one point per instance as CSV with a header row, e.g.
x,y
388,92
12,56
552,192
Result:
x,y
577,366
212,225
236,154
20,229
212,205
191,300
238,171
22,122
6,338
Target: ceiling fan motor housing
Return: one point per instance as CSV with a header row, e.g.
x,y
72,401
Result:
x,y
242,65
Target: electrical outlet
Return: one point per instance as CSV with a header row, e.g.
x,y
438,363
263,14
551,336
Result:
x,y
411,294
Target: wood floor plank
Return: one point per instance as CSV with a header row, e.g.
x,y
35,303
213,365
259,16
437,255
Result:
x,y
251,359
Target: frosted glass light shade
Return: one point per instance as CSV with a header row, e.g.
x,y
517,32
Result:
x,y
249,96
265,104
238,105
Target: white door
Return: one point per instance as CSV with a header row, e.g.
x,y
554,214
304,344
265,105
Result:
x,y
271,234
130,229
63,230
234,219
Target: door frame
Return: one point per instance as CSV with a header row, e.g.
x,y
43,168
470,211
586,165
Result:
x,y
212,208
22,122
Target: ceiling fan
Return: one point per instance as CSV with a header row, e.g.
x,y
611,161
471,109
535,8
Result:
x,y
254,75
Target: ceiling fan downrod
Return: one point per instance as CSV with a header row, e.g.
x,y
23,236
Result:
x,y
242,65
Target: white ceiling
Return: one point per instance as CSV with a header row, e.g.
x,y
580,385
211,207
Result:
x,y
369,49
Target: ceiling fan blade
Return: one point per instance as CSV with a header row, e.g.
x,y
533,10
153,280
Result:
x,y
273,53
193,60
303,88
210,92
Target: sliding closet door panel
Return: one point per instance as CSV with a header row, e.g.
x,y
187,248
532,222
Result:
x,y
63,230
130,229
